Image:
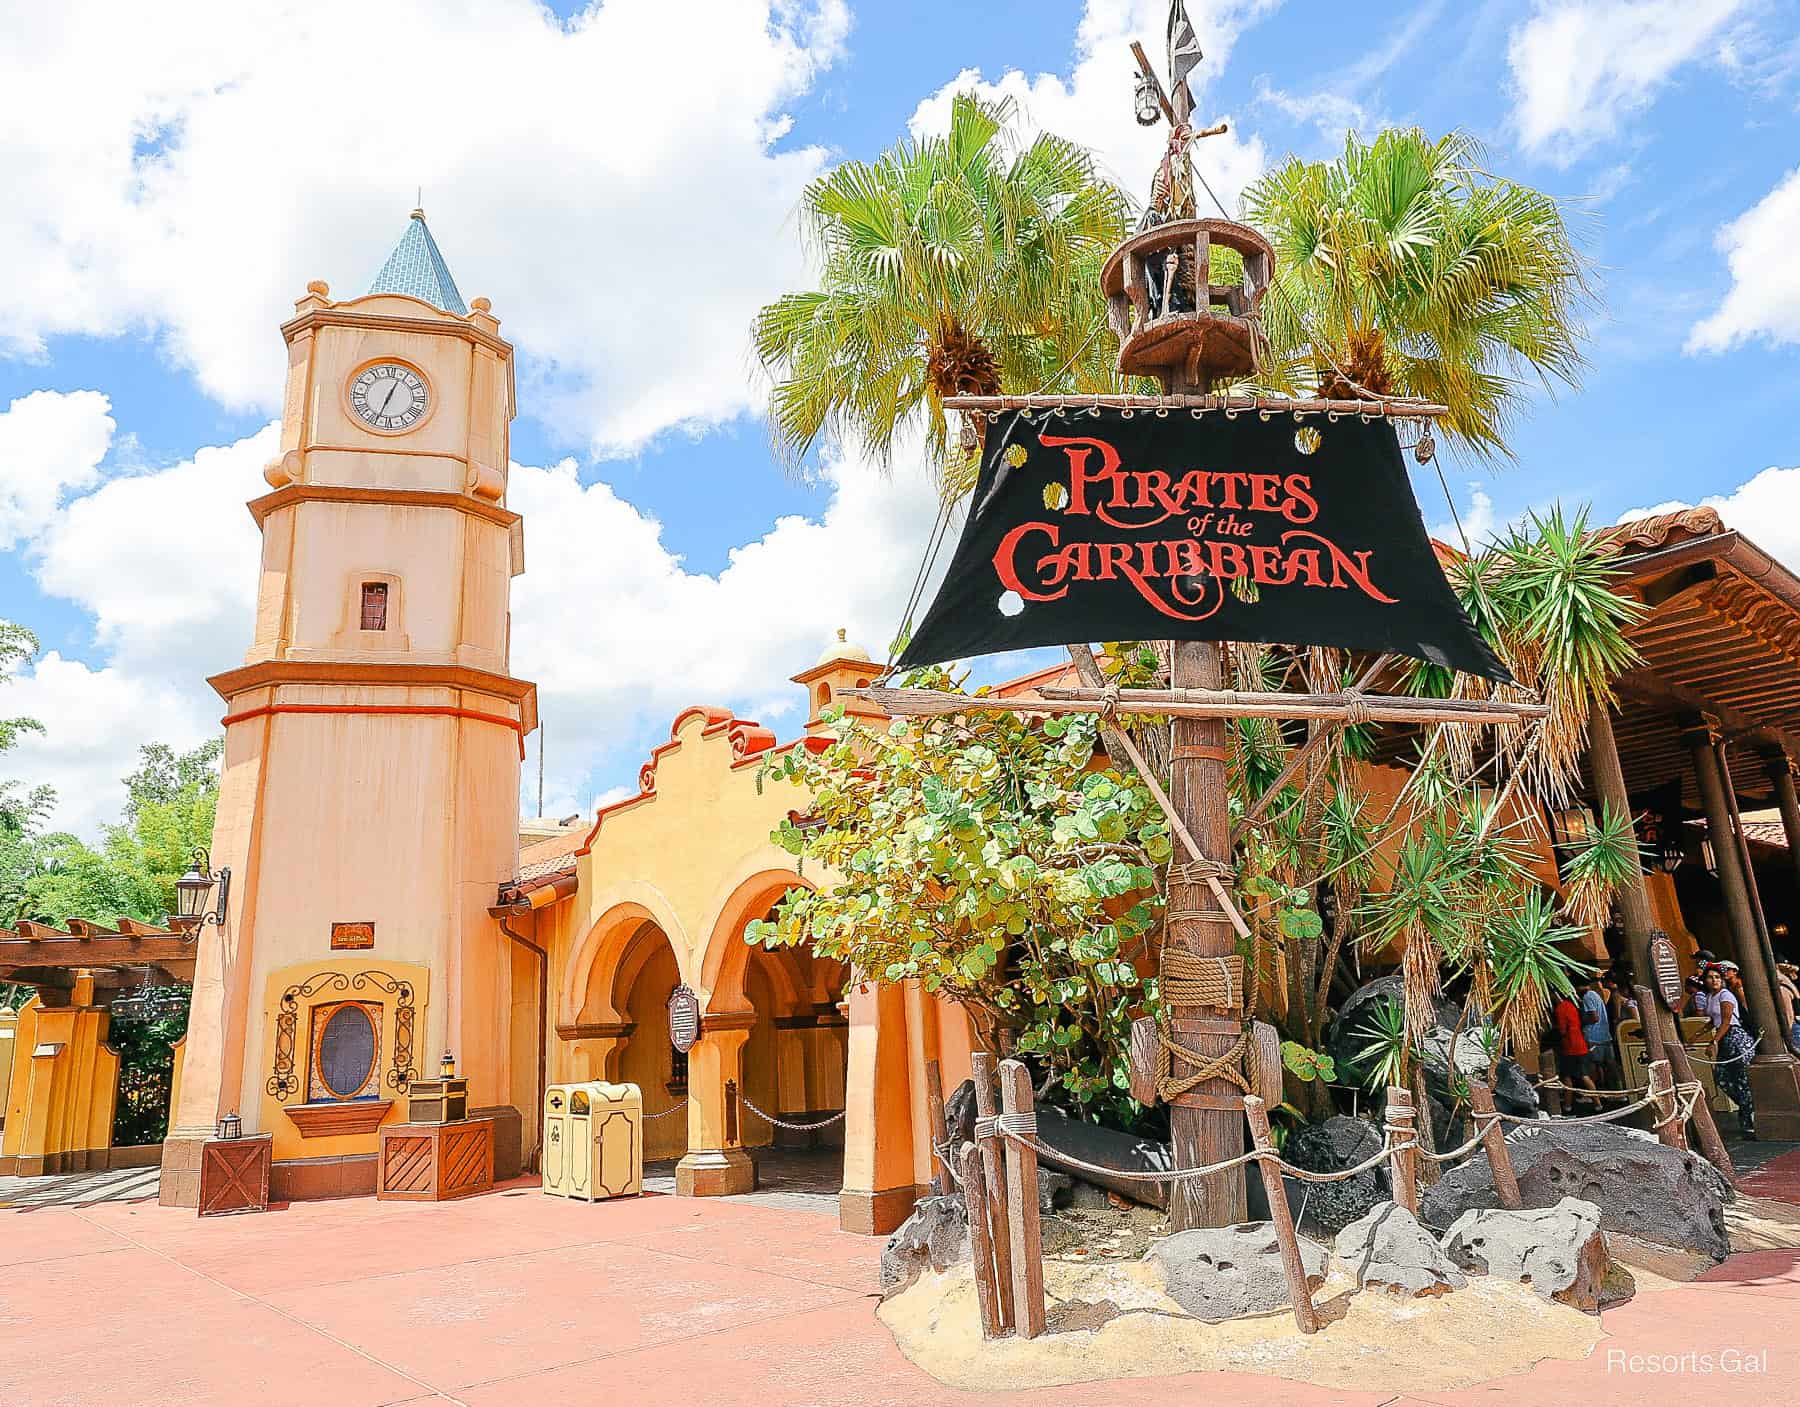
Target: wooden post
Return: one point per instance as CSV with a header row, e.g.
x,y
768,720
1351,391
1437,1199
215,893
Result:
x,y
1305,1315
981,1244
1745,935
1204,1125
1662,1092
1674,1134
1711,1144
1551,1094
1402,1159
1022,1208
940,1133
993,1169
1493,1138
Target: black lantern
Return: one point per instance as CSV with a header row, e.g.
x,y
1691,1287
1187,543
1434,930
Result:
x,y
194,888
447,1066
231,1126
1148,100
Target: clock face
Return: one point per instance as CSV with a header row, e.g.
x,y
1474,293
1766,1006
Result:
x,y
389,396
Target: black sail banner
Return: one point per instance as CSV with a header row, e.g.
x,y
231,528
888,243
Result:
x,y
1123,525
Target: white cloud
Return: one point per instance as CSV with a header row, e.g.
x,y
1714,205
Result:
x,y
1093,105
613,184
1579,67
619,636
1766,509
94,722
1764,299
1477,522
51,442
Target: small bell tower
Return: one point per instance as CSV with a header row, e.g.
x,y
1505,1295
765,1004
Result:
x,y
841,666
369,797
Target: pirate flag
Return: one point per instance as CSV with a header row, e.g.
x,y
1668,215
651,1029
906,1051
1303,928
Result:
x,y
1184,55
1114,525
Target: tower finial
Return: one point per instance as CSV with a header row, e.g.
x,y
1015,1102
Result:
x,y
418,203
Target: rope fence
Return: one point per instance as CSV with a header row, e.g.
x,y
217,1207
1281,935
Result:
x,y
1022,1129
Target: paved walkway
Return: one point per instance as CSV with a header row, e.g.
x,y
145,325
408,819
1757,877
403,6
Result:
x,y
515,1297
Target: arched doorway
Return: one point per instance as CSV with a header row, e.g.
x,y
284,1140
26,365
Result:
x,y
792,1064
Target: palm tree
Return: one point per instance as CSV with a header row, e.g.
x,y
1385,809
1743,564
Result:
x,y
1403,268
967,263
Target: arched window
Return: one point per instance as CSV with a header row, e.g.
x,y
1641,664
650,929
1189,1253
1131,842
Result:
x,y
346,1041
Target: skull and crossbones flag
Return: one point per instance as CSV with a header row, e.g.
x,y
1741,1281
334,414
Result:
x,y
1184,55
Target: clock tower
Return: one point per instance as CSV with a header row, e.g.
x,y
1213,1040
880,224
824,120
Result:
x,y
369,796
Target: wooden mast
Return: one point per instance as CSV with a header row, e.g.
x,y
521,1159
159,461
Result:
x,y
1198,786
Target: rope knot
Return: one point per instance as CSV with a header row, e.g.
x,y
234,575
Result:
x,y
1356,708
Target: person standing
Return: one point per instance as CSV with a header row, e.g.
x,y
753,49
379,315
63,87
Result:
x,y
1732,1050
1596,1030
1572,1062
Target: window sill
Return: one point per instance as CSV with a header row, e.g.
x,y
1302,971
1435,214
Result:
x,y
349,1116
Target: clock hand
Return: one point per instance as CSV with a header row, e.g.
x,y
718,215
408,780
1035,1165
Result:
x,y
393,386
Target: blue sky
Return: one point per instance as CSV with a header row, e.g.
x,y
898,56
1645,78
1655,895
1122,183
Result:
x,y
176,193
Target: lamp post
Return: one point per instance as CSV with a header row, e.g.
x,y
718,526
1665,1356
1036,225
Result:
x,y
192,891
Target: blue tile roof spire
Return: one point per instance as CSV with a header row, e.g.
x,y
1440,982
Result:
x,y
416,269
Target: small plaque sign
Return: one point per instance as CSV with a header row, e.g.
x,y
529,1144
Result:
x,y
352,935
684,1018
1667,968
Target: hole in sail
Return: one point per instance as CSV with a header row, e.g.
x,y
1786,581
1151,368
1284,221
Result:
x,y
1011,603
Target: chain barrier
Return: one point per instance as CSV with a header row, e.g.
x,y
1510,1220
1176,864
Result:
x,y
792,1127
664,1113
1755,1041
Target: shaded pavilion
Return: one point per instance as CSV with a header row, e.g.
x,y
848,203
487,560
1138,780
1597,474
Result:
x,y
1708,725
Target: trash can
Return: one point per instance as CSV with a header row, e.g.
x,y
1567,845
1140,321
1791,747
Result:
x,y
593,1141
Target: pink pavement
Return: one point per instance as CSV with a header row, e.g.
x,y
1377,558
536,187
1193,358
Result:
x,y
515,1298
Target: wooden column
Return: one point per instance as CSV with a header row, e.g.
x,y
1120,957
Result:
x,y
1197,786
1698,737
1748,864
1609,788
993,1169
1781,774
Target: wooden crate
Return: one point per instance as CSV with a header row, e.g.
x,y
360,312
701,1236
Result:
x,y
435,1162
234,1175
442,1101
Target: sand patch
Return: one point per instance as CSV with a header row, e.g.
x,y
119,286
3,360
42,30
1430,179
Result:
x,y
1456,1340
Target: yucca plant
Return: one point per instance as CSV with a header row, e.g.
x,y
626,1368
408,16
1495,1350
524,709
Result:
x,y
1595,867
966,263
1383,1059
1531,967
1403,267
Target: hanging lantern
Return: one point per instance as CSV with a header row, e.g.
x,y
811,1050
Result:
x,y
1149,104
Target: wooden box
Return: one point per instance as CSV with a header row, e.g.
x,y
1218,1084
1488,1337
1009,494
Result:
x,y
234,1175
435,1162
442,1101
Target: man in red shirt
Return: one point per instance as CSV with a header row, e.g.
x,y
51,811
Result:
x,y
1573,1062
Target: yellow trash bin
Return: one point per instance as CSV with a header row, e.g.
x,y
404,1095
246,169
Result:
x,y
593,1140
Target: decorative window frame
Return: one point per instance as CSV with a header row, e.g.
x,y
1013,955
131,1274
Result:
x,y
285,1081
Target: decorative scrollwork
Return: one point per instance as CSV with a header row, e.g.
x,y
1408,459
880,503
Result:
x,y
283,1081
